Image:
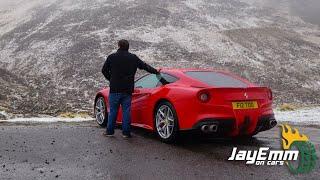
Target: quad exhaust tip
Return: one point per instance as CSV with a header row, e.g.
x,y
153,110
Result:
x,y
273,123
205,128
209,128
213,128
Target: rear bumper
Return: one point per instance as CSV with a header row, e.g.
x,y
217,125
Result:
x,y
229,127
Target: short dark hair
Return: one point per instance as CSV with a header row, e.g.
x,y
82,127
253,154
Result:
x,y
123,44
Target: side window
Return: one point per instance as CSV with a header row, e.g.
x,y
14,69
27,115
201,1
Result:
x,y
148,81
152,80
169,78
166,79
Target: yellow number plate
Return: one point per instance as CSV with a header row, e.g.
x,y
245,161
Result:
x,y
245,105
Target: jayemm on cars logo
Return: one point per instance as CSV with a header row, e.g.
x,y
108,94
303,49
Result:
x,y
298,153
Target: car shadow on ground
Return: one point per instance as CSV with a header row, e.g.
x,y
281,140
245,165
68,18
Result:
x,y
218,148
195,139
215,147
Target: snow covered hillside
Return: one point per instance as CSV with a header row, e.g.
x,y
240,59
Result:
x,y
52,51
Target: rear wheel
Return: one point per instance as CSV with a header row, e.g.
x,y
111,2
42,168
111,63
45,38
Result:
x,y
100,111
166,122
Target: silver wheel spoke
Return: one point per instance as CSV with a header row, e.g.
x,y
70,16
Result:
x,y
164,129
101,104
162,113
159,116
168,129
170,119
167,112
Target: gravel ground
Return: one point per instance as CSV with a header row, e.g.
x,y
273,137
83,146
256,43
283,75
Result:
x,y
77,150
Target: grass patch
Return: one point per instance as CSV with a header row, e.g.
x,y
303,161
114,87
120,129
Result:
x,y
72,123
287,107
74,115
3,108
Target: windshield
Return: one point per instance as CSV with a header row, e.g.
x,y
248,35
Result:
x,y
216,79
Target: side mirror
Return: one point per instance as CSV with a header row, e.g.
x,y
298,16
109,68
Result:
x,y
136,91
159,76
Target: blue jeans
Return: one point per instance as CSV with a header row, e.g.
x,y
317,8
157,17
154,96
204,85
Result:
x,y
115,100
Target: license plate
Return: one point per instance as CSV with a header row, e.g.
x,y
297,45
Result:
x,y
245,105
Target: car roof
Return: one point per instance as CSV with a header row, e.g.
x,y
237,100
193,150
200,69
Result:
x,y
180,73
183,70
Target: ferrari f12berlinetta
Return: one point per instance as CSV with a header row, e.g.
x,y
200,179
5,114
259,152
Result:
x,y
209,101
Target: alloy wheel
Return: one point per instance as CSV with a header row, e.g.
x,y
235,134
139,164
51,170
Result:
x,y
164,121
100,110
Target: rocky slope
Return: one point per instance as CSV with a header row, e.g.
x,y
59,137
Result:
x,y
51,52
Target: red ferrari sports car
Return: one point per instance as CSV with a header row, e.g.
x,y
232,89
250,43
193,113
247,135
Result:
x,y
211,102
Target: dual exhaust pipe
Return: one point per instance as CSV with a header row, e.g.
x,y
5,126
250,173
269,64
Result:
x,y
209,128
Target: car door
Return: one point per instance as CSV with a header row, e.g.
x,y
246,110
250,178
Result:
x,y
142,91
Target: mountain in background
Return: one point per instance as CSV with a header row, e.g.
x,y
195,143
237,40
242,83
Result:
x,y
52,51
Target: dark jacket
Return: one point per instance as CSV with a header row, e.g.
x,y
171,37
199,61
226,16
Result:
x,y
120,69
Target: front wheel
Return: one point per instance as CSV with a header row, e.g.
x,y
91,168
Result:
x,y
100,112
166,122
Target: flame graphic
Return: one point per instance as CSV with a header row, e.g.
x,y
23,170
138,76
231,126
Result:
x,y
289,136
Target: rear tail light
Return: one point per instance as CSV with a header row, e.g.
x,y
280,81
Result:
x,y
204,96
270,94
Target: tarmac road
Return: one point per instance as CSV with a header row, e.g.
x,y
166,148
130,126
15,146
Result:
x,y
79,151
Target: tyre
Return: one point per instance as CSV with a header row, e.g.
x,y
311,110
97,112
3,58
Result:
x,y
100,112
307,157
166,122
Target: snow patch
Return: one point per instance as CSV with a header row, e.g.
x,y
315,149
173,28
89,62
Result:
x,y
3,115
193,4
18,12
305,116
48,120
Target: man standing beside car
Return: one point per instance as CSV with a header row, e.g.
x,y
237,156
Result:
x,y
120,69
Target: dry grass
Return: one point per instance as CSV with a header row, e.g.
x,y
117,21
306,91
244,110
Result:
x,y
3,108
74,115
287,107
